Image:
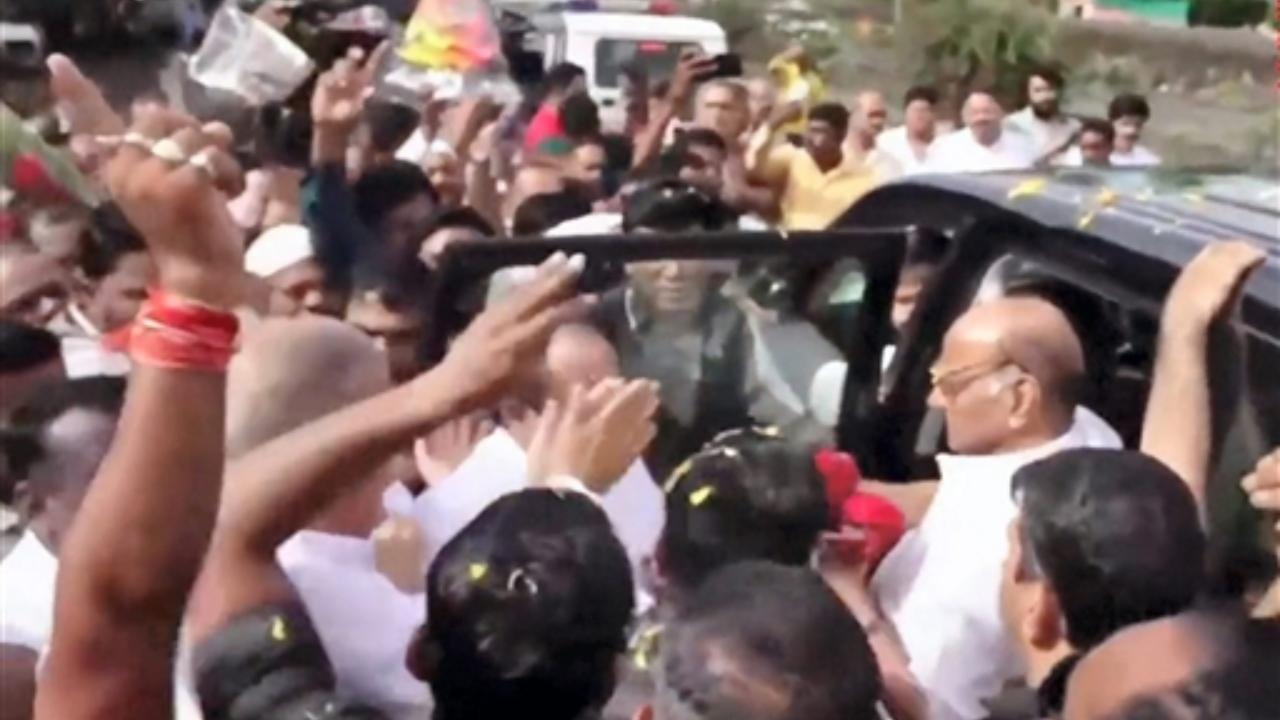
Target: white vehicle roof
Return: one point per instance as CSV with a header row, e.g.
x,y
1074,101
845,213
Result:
x,y
634,25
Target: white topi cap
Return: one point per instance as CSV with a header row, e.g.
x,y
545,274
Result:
x,y
278,248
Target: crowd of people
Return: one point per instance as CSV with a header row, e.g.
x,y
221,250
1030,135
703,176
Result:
x,y
235,488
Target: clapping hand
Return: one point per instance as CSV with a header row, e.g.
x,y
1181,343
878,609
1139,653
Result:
x,y
596,434
171,177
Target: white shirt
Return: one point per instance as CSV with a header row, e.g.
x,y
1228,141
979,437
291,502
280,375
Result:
x,y
1046,135
365,623
497,467
1139,156
960,152
894,143
418,148
28,577
940,586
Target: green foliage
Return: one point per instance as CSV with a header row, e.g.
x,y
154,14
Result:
x,y
1228,13
959,45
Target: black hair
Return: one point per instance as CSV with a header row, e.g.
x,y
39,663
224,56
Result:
x,y
925,93
1235,685
702,137
384,188
527,611
25,347
619,152
1128,104
390,124
462,217
101,394
559,78
767,642
539,213
678,154
23,445
1117,536
833,114
400,283
580,117
1049,74
746,496
113,237
674,206
1098,126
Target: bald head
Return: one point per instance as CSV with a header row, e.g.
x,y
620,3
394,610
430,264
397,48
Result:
x,y
983,116
578,355
1008,376
290,372
1037,337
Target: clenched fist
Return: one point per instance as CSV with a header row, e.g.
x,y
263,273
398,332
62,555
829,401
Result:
x,y
171,177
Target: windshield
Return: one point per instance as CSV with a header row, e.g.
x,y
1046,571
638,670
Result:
x,y
655,58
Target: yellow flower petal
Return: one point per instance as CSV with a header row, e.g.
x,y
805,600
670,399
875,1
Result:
x,y
1026,188
701,495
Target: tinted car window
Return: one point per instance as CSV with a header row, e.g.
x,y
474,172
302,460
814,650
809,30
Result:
x,y
657,58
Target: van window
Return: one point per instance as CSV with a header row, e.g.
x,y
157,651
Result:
x,y
656,57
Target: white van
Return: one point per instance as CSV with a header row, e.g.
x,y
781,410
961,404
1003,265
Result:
x,y
603,43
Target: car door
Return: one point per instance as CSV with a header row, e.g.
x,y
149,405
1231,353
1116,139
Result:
x,y
795,330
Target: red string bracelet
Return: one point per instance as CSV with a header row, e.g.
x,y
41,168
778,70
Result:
x,y
179,334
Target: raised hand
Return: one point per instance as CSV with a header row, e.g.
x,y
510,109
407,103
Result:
x,y
341,92
171,177
508,341
1208,286
693,68
79,100
1263,487
596,435
439,454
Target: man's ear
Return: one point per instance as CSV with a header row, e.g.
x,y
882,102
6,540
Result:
x,y
1025,397
422,657
1046,627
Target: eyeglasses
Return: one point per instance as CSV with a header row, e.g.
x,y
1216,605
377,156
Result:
x,y
953,381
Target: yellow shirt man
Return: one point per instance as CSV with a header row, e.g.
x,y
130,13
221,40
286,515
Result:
x,y
809,198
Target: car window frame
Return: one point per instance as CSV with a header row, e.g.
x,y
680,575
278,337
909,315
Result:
x,y
880,252
1074,255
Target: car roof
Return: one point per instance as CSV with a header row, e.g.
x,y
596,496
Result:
x,y
1169,215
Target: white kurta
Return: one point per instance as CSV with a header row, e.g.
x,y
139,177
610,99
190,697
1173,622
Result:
x,y
940,586
365,623
960,152
497,467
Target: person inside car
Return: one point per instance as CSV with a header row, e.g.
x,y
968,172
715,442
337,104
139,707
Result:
x,y
717,367
1006,380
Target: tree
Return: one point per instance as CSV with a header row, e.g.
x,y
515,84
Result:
x,y
1228,13
960,45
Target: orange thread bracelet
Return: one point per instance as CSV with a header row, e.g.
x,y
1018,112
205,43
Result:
x,y
175,333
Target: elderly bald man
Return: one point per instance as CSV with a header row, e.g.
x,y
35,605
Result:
x,y
1007,380
984,144
289,373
